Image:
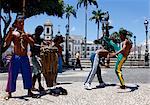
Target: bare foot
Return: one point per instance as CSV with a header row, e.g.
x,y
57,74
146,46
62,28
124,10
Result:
x,y
8,96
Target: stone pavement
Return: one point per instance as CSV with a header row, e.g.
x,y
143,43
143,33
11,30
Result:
x,y
137,93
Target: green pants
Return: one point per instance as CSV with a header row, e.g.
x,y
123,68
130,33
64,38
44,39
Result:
x,y
120,60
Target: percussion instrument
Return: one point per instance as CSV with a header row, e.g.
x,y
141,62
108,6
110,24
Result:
x,y
49,61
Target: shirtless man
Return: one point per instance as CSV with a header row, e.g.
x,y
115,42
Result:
x,y
19,60
122,55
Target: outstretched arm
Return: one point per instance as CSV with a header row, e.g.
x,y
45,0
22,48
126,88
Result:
x,y
120,51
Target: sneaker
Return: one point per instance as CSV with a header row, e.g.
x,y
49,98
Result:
x,y
101,85
87,86
123,87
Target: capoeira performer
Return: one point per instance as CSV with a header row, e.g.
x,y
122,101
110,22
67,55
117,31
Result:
x,y
122,55
19,60
35,57
96,69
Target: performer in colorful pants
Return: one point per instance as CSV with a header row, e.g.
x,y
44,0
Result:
x,y
19,64
95,69
120,60
20,59
122,55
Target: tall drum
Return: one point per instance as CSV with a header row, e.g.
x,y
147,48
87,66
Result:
x,y
49,61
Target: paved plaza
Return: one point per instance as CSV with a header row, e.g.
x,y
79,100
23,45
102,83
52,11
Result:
x,y
136,79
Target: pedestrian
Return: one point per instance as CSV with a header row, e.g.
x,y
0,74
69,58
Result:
x,y
96,69
57,41
122,55
35,58
19,60
78,63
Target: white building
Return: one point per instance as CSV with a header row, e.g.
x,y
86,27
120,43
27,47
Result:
x,y
139,50
76,44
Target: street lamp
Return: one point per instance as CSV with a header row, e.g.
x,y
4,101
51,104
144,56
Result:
x,y
82,43
67,52
105,19
146,50
134,47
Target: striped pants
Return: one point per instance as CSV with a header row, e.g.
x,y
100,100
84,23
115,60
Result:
x,y
120,60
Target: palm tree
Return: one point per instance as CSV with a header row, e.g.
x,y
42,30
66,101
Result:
x,y
97,16
86,3
69,10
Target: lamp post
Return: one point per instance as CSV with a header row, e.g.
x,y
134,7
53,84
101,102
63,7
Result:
x,y
146,50
134,47
105,22
82,43
67,53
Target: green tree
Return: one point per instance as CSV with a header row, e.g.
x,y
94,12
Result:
x,y
29,8
86,3
97,16
69,10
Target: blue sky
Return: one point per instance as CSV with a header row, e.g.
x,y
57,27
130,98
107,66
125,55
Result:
x,y
129,14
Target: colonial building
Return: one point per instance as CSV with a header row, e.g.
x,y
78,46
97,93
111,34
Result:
x,y
76,44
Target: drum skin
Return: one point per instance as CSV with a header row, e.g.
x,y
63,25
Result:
x,y
49,61
103,53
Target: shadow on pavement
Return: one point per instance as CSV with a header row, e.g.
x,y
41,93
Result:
x,y
130,89
104,86
63,83
54,92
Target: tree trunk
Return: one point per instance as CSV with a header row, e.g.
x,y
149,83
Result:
x,y
6,25
85,38
97,30
0,40
67,42
24,3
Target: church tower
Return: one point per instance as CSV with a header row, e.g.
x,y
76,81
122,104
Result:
x,y
48,30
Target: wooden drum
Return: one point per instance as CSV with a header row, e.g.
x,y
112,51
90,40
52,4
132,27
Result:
x,y
103,53
49,61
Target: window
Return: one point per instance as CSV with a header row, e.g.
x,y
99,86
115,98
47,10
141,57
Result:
x,y
92,49
96,48
47,30
88,49
75,48
83,48
69,47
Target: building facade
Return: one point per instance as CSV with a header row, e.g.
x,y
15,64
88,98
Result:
x,y
76,44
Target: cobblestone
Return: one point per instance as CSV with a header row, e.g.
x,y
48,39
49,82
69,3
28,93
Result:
x,y
135,94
